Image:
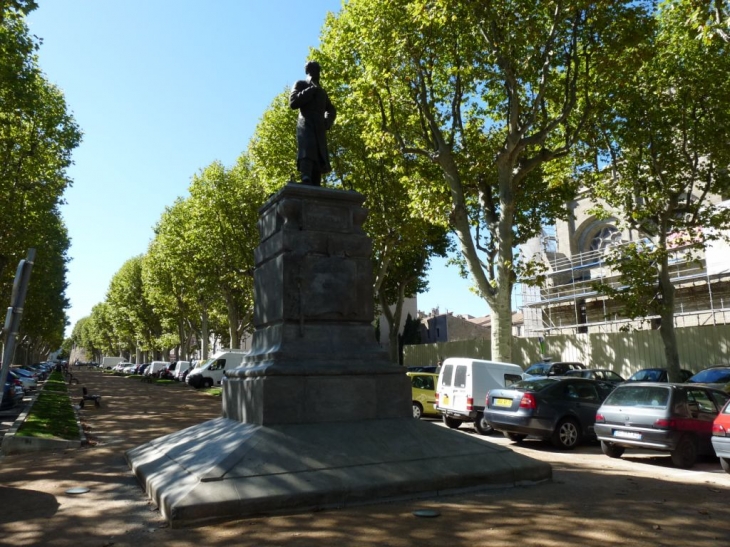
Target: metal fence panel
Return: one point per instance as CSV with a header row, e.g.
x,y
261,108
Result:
x,y
622,352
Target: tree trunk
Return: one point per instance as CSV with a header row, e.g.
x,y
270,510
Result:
x,y
393,319
502,327
666,313
233,322
204,334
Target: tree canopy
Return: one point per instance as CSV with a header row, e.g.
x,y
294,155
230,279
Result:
x,y
664,143
37,136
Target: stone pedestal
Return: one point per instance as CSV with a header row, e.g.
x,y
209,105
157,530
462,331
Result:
x,y
314,357
316,417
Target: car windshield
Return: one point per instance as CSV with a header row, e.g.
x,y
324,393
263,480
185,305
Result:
x,y
649,375
538,369
533,385
649,396
711,376
201,364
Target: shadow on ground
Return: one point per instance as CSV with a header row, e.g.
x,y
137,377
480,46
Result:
x,y
582,506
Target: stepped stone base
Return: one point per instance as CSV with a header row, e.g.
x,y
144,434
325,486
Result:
x,y
224,469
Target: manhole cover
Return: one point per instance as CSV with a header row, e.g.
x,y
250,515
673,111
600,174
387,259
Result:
x,y
77,490
427,513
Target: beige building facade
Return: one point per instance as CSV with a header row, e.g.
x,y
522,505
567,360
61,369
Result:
x,y
574,254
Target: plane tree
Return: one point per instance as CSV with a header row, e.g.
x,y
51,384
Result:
x,y
133,315
224,206
495,96
167,282
664,160
37,137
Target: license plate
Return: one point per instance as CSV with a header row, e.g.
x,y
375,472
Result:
x,y
445,400
627,435
503,402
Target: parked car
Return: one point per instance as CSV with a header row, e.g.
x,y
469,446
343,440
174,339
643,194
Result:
x,y
721,437
181,369
38,369
548,368
674,418
27,373
210,373
657,375
717,376
155,368
463,385
29,384
423,393
12,395
597,374
560,409
119,367
432,369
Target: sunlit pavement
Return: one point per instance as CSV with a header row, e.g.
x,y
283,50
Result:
x,y
589,456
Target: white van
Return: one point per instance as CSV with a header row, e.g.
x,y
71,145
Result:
x,y
463,385
181,368
210,373
155,368
108,363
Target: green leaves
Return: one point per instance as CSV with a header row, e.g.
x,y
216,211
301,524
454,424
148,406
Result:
x,y
37,136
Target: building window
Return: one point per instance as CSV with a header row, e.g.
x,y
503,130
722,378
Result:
x,y
606,236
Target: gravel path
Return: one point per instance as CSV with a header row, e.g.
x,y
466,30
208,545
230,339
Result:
x,y
591,501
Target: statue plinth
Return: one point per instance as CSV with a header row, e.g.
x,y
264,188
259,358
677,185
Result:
x,y
314,357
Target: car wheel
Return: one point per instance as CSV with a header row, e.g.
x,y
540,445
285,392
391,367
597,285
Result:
x,y
453,423
612,450
567,435
684,454
417,410
481,425
207,383
725,462
515,437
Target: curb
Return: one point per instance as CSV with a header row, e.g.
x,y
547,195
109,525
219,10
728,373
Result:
x,y
14,444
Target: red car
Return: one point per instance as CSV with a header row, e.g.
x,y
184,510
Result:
x,y
721,436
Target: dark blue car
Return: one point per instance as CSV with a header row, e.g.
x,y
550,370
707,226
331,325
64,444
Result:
x,y
559,408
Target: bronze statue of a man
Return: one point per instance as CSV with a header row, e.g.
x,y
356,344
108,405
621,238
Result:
x,y
316,116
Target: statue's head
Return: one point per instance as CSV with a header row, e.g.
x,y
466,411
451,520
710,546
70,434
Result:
x,y
312,69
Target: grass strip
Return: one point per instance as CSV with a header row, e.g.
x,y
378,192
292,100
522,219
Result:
x,y
52,414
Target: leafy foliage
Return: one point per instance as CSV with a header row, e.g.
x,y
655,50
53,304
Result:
x,y
486,100
665,142
37,136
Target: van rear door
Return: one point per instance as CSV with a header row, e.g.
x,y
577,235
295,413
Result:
x,y
445,391
453,387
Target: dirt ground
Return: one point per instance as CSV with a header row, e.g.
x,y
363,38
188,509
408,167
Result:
x,y
638,501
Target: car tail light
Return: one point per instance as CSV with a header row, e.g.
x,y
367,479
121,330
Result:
x,y
486,401
437,398
528,401
470,403
718,430
600,419
663,423
17,382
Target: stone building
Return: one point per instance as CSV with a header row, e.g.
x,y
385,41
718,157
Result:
x,y
573,252
447,327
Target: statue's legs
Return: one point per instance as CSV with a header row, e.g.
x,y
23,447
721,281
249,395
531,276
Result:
x,y
311,172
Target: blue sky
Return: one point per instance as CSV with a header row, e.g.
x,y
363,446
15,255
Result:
x,y
161,89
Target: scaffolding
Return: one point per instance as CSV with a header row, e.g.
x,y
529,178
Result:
x,y
568,301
